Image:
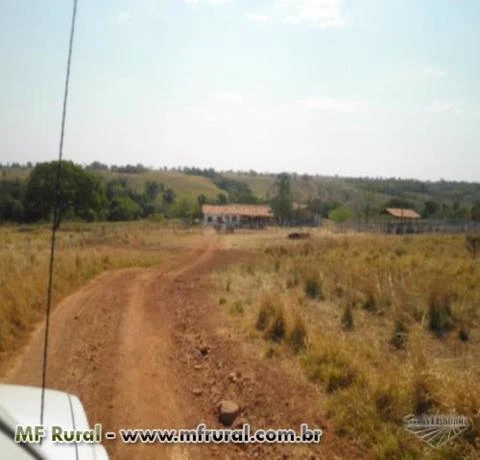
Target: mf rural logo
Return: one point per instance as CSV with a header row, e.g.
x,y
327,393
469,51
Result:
x,y
436,430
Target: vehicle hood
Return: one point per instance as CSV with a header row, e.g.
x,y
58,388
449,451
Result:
x,y
22,404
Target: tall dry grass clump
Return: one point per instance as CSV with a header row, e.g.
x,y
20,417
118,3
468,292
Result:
x,y
83,251
392,327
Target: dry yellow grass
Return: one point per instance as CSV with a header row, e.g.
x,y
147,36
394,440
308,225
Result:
x,y
83,251
409,342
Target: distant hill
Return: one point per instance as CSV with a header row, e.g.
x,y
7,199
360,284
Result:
x,y
182,184
355,193
378,190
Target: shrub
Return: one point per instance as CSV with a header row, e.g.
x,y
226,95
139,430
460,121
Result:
x,y
313,287
472,243
463,334
306,249
270,351
347,318
294,279
399,336
277,328
298,335
237,308
276,266
440,318
329,367
264,314
271,320
423,400
370,303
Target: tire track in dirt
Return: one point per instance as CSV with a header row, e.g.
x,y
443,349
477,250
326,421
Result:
x,y
109,344
127,345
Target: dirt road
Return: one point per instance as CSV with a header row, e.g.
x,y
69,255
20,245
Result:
x,y
128,344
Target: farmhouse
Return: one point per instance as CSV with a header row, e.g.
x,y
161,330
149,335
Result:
x,y
401,213
402,221
237,215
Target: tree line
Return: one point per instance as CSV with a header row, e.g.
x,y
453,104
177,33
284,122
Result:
x,y
86,193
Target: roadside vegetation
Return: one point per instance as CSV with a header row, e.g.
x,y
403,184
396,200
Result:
x,y
83,251
385,326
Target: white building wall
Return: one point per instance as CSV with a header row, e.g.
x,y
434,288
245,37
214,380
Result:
x,y
225,218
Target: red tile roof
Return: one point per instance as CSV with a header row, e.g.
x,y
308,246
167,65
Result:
x,y
403,213
251,210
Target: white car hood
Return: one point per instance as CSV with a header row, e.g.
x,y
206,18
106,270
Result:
x,y
61,409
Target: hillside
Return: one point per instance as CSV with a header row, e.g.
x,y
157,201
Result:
x,y
182,184
351,191
354,193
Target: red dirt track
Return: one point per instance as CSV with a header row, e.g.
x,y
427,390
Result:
x,y
127,345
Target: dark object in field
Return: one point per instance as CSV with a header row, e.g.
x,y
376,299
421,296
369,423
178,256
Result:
x,y
228,411
298,236
472,243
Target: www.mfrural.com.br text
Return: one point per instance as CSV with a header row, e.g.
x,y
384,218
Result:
x,y
199,435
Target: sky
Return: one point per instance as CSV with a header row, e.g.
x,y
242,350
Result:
x,y
382,88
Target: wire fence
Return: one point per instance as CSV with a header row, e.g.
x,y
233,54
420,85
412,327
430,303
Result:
x,y
406,227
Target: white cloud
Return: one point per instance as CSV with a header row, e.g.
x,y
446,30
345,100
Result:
x,y
254,17
227,98
124,17
434,73
444,107
320,13
332,105
325,14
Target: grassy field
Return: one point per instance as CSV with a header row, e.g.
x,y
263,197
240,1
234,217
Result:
x,y
386,326
182,184
83,251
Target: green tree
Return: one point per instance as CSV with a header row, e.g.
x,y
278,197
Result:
x,y
282,203
475,211
221,198
459,212
168,196
238,191
80,193
367,207
340,214
97,166
153,189
431,208
201,199
319,206
124,208
10,209
184,208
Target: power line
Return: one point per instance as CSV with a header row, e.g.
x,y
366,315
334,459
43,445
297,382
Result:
x,y
56,212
